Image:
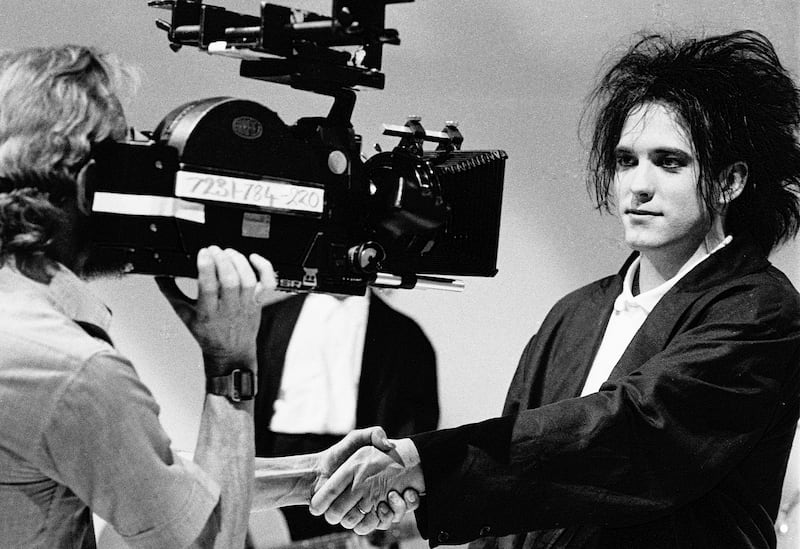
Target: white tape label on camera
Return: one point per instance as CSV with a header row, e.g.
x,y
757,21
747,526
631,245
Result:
x,y
273,194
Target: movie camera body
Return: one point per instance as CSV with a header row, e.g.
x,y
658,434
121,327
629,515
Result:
x,y
228,171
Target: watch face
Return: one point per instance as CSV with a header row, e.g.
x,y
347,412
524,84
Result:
x,y
243,386
237,386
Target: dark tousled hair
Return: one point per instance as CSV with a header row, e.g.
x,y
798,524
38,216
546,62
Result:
x,y
737,103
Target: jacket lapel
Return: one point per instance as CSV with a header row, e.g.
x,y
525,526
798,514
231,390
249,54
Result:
x,y
374,362
586,344
738,258
574,353
277,324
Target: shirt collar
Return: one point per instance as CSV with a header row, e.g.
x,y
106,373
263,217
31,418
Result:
x,y
325,304
646,301
65,292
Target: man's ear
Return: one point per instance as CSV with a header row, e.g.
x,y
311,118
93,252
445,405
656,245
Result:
x,y
734,178
86,184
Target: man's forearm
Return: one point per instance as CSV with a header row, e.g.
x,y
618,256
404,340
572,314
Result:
x,y
224,320
292,480
226,451
282,481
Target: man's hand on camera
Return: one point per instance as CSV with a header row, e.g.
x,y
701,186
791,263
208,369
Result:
x,y
225,317
357,494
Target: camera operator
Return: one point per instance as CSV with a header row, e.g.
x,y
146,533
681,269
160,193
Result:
x,y
78,430
656,407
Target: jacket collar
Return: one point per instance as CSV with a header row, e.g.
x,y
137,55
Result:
x,y
739,258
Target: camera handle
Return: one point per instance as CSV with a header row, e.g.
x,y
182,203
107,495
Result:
x,y
344,101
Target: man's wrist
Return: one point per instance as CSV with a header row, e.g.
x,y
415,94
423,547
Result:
x,y
285,481
238,385
406,451
214,365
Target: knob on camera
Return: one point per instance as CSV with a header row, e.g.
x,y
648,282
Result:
x,y
366,257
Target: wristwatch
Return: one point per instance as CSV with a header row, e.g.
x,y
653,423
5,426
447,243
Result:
x,y
237,386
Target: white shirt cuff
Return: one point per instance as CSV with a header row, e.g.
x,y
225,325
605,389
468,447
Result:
x,y
407,452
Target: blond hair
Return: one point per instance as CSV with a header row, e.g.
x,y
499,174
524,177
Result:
x,y
55,103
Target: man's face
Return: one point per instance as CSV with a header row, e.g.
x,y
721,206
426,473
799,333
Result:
x,y
656,185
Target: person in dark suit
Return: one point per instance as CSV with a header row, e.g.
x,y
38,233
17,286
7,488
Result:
x,y
654,408
329,364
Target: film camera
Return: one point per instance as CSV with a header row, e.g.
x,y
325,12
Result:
x,y
229,172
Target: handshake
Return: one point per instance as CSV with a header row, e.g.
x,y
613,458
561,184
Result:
x,y
364,482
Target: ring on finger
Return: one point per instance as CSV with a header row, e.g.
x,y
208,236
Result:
x,y
360,510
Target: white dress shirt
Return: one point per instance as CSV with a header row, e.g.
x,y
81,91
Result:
x,y
319,386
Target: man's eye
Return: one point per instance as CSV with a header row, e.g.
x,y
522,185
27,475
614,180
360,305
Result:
x,y
625,161
671,163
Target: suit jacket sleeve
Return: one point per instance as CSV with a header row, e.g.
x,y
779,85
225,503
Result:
x,y
653,438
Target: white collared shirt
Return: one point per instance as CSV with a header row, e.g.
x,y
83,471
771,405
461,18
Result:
x,y
629,313
319,386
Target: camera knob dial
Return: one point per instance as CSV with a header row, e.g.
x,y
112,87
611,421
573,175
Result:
x,y
366,257
337,162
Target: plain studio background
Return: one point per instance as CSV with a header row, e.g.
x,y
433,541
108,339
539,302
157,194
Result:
x,y
514,73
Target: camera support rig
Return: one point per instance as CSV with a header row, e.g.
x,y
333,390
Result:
x,y
231,172
290,46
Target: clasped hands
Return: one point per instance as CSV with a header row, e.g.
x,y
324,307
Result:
x,y
367,482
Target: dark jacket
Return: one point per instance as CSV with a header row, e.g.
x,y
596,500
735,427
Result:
x,y
685,445
397,389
